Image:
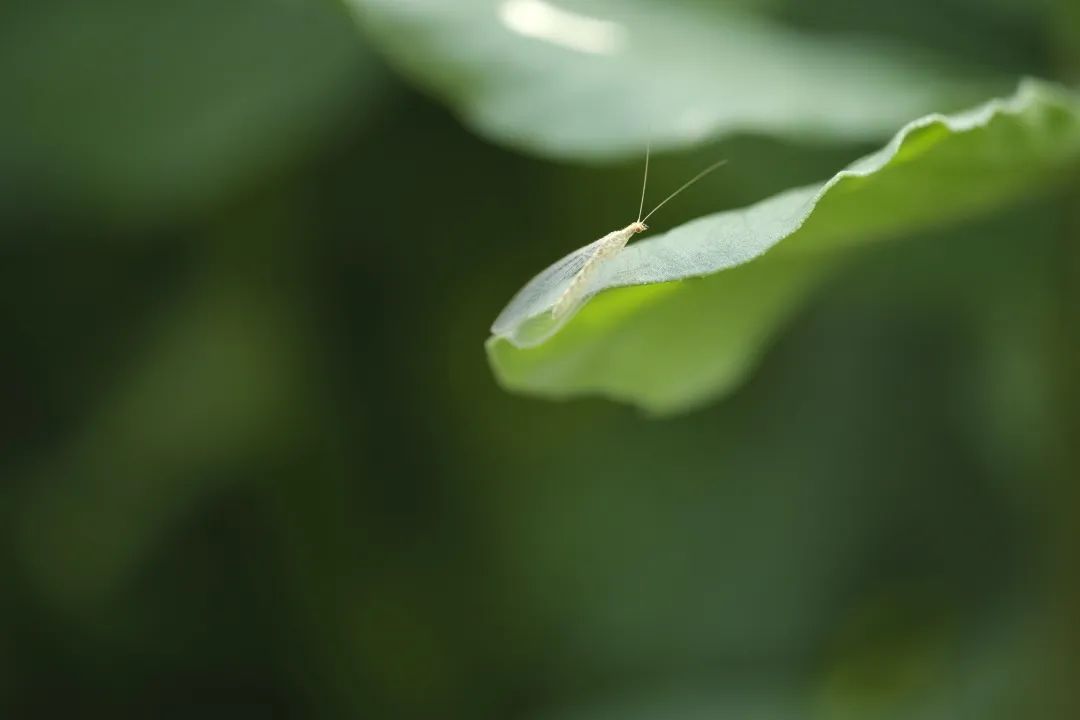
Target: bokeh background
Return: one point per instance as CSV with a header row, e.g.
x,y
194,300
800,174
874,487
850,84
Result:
x,y
253,462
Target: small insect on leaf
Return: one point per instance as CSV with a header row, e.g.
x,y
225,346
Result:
x,y
565,286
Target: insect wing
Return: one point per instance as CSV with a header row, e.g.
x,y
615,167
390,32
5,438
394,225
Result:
x,y
541,293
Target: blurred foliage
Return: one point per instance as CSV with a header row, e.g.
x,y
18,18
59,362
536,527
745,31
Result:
x,y
254,463
599,78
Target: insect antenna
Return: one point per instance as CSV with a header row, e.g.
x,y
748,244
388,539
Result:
x,y
688,183
644,182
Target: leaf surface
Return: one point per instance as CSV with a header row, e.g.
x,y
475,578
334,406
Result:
x,y
680,318
598,79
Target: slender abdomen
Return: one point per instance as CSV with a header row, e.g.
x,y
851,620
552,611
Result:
x,y
609,247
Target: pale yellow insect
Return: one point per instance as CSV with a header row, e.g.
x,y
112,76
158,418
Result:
x,y
611,244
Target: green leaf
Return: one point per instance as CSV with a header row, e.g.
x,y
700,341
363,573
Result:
x,y
680,318
600,79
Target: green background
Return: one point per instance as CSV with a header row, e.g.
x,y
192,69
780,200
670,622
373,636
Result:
x,y
253,460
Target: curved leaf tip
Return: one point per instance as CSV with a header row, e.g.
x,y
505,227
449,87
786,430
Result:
x,y
695,312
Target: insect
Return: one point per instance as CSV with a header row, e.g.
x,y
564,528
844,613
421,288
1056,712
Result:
x,y
611,244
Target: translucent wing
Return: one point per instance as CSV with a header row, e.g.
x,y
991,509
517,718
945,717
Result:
x,y
527,317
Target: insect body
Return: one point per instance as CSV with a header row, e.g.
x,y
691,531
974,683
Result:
x,y
609,247
611,244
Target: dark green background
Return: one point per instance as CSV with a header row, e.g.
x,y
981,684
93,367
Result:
x,y
252,461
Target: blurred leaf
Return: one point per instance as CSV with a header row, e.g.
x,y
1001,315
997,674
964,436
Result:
x,y
1008,36
765,536
670,338
132,108
600,79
